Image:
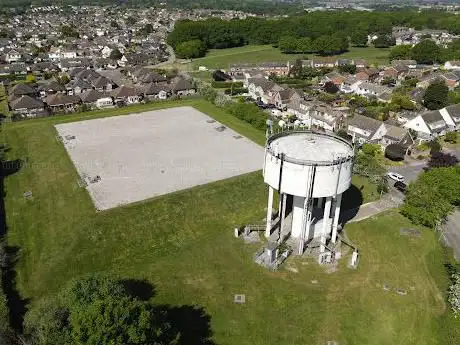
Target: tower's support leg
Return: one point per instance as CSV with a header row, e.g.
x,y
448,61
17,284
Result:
x,y
283,214
269,212
325,230
335,224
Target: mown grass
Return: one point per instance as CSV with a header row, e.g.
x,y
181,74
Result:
x,y
222,58
183,244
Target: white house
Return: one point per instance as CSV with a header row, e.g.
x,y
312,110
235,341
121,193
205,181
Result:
x,y
452,65
429,125
364,129
13,56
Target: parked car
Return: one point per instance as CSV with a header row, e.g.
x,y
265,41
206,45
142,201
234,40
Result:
x,y
401,186
395,176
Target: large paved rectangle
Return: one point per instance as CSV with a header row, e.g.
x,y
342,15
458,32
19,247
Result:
x,y
140,156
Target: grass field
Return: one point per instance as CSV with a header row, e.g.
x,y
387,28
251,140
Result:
x,y
221,58
183,244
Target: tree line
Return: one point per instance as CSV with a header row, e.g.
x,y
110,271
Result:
x,y
427,52
329,28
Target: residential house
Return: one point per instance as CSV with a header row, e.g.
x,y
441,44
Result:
x,y
451,115
96,99
452,65
26,106
325,118
350,85
76,86
262,89
396,135
156,91
126,95
396,71
324,63
382,93
364,129
411,64
361,63
102,84
334,77
181,86
62,103
21,89
452,79
283,97
50,88
367,74
13,56
429,125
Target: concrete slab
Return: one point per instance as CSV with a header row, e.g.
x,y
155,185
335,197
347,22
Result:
x,y
144,155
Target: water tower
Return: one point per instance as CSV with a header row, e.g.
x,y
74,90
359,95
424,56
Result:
x,y
310,171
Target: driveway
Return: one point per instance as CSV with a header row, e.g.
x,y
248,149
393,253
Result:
x,y
409,171
451,233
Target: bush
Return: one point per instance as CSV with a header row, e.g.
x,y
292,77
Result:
x,y
451,137
371,149
218,75
226,84
435,146
395,152
236,91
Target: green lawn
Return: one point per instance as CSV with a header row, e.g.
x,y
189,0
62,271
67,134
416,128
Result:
x,y
183,244
221,58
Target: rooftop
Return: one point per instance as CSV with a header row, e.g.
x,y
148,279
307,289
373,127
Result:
x,y
310,147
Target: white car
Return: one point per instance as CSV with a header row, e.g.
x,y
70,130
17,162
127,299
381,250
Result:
x,y
396,176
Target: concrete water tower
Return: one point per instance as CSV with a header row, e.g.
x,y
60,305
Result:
x,y
310,171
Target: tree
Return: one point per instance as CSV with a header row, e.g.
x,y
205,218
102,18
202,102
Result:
x,y
351,69
384,41
115,54
436,95
288,44
68,31
432,196
130,21
191,49
435,146
63,79
30,78
358,38
395,152
442,160
402,102
426,52
401,52
371,149
330,87
95,310
218,75
451,137
304,45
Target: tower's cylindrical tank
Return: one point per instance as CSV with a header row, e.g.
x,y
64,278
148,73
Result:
x,y
291,156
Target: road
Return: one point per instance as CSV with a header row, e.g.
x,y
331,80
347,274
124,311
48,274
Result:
x,y
411,170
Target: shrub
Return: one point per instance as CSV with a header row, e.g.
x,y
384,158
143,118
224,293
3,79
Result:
x,y
435,146
451,137
395,152
371,149
226,84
